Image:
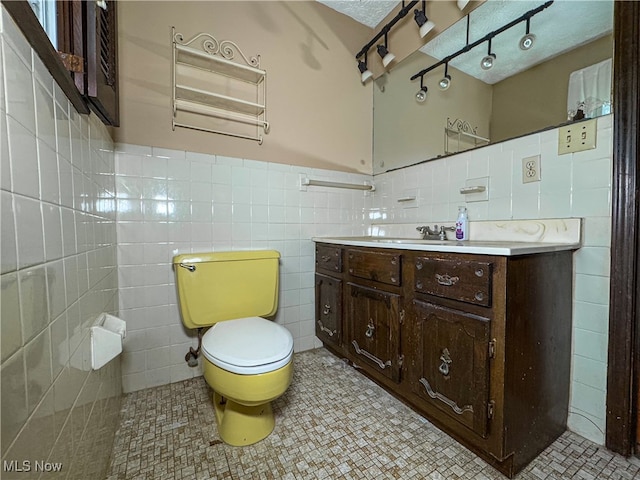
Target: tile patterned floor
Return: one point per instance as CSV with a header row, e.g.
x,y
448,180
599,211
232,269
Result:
x,y
346,428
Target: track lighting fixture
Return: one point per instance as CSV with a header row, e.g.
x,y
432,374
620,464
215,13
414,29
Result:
x,y
526,42
365,73
489,59
385,54
445,82
421,95
420,16
383,51
528,39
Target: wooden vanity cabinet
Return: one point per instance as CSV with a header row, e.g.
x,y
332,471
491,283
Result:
x,y
480,345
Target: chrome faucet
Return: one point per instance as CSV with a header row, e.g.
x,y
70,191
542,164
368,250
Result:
x,y
437,233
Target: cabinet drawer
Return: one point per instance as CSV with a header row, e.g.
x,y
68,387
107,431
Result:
x,y
455,279
377,266
329,258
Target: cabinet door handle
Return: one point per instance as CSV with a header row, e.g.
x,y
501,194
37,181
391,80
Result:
x,y
419,265
326,258
324,329
446,280
327,309
370,328
479,272
479,296
446,361
419,285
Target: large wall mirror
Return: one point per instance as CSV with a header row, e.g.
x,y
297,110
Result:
x,y
524,92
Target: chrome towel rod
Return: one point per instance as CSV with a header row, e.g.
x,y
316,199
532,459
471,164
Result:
x,y
307,182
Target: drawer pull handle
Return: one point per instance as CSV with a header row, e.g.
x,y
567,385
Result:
x,y
446,361
479,296
373,358
447,401
479,272
394,280
326,330
326,258
419,285
370,328
446,280
394,261
327,309
419,265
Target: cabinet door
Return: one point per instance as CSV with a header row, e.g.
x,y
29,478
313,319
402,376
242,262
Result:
x,y
451,369
329,309
374,329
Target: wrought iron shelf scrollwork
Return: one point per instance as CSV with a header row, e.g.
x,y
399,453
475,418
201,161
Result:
x,y
461,130
195,93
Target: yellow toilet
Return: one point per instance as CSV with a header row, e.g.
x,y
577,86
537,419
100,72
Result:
x,y
247,359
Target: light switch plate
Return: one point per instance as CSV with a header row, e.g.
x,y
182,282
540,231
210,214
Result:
x,y
577,137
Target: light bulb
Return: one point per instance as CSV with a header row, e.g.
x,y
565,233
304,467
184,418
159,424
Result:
x,y
423,22
527,41
426,28
445,82
421,95
365,73
387,59
487,62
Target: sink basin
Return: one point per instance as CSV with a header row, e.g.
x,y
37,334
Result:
x,y
402,240
412,240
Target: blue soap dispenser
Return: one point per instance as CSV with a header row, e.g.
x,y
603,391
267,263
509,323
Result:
x,y
462,230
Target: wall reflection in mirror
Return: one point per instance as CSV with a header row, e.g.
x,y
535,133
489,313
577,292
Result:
x,y
547,71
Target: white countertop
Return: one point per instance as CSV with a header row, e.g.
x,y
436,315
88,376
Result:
x,y
477,247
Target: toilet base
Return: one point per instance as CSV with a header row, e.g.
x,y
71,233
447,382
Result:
x,y
241,425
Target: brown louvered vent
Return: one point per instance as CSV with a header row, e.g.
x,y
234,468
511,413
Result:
x,y
102,47
106,32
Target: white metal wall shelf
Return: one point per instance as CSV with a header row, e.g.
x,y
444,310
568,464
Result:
x,y
208,83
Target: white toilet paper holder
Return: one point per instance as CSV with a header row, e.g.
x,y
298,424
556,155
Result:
x,y
107,334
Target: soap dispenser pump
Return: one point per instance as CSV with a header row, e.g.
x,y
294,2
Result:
x,y
462,231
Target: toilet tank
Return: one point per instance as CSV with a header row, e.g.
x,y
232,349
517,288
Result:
x,y
218,286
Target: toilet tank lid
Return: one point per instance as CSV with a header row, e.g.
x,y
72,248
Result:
x,y
225,256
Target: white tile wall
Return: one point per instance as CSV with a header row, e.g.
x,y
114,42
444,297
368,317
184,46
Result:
x,y
173,202
573,185
57,269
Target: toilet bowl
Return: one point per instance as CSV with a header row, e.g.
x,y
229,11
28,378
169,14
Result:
x,y
247,358
247,362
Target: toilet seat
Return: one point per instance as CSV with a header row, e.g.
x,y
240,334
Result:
x,y
248,346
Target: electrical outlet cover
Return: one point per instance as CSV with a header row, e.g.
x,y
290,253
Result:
x,y
531,169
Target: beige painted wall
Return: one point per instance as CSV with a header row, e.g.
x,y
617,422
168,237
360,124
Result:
x,y
517,100
320,113
407,132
